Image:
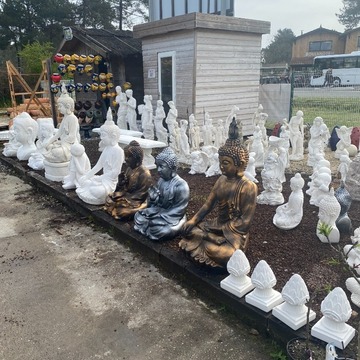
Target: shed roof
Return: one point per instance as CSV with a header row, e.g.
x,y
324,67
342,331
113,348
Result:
x,y
319,30
105,42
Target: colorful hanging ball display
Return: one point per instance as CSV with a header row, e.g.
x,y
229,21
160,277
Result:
x,y
59,58
67,59
102,86
56,77
94,86
80,68
90,58
62,69
114,103
87,105
110,86
95,77
126,86
74,58
104,95
87,87
78,87
88,69
98,59
102,77
109,77
71,69
54,88
70,88
83,59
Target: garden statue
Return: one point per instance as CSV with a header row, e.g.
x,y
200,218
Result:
x,y
273,173
79,165
132,187
343,222
214,242
321,186
195,137
352,253
26,131
256,115
329,211
174,141
214,166
199,162
166,203
46,131
131,110
289,215
219,136
352,181
121,99
208,131
321,162
171,118
344,165
250,171
146,112
296,128
257,147
261,123
160,131
11,147
344,134
184,148
93,189
319,137
285,135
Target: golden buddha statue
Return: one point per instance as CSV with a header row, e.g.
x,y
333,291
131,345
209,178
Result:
x,y
212,243
133,184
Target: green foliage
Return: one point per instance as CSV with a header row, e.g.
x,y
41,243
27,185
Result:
x,y
350,14
279,51
324,229
278,355
33,54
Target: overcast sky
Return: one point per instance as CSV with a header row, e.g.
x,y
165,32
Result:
x,y
300,16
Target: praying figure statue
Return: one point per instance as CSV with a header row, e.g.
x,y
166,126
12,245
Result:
x,y
26,131
160,130
165,213
171,118
121,99
212,243
58,146
319,137
93,189
146,112
289,215
79,165
131,110
296,128
132,187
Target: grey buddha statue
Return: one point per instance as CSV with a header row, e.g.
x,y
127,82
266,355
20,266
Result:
x,y
166,203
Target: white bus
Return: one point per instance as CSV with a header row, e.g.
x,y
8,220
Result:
x,y
336,70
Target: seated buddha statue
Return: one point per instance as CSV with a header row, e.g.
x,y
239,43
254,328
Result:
x,y
164,215
132,187
212,243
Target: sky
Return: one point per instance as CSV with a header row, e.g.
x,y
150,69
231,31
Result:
x,y
301,16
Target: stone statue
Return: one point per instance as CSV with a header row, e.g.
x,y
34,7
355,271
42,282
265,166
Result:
x,y
195,137
171,118
256,115
352,181
250,171
344,134
321,186
79,165
329,211
46,131
343,222
26,131
11,147
289,215
261,123
199,162
208,131
214,242
285,135
273,173
214,167
93,189
160,131
132,187
184,148
257,147
319,137
131,110
296,127
146,112
121,99
166,203
321,162
343,167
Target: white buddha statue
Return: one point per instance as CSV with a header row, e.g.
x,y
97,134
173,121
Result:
x,y
289,215
160,130
25,130
93,189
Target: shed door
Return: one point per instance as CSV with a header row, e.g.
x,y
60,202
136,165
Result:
x,y
166,65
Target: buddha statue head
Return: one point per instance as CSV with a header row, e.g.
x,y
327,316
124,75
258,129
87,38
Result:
x,y
65,103
166,163
134,154
297,182
109,132
25,129
329,209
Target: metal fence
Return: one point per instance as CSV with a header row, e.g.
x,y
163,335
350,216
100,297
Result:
x,y
337,105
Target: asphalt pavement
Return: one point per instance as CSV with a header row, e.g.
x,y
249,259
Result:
x,y
71,291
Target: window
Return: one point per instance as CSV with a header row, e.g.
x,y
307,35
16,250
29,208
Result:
x,y
320,45
350,62
358,43
166,70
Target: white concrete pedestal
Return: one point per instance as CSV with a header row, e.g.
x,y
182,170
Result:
x,y
264,299
237,285
293,316
56,171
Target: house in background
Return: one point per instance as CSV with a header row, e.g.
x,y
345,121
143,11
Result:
x,y
203,62
352,40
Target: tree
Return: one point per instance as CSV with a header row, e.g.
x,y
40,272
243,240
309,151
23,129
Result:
x,y
129,12
280,49
350,14
33,54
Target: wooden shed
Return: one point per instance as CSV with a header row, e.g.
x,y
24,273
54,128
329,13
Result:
x,y
204,63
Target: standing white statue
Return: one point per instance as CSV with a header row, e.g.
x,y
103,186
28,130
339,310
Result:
x,y
93,189
256,115
261,123
160,131
289,215
344,143
208,131
214,166
257,147
171,118
343,167
194,134
79,165
131,110
121,99
26,131
46,131
184,147
146,112
296,128
219,138
319,137
285,135
250,171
